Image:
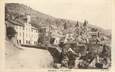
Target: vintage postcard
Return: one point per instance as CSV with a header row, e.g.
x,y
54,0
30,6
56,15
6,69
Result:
x,y
57,35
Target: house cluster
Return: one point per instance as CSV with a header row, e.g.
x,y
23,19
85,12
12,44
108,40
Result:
x,y
26,33
80,42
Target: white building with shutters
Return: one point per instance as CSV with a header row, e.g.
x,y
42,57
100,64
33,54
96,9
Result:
x,y
26,33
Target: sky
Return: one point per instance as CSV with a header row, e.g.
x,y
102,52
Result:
x,y
97,12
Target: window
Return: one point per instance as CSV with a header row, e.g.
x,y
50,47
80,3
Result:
x,y
34,42
23,28
17,41
20,41
20,33
26,35
29,42
26,42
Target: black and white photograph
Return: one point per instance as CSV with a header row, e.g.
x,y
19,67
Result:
x,y
58,34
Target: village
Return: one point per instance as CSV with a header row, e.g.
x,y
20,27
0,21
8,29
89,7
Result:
x,y
78,46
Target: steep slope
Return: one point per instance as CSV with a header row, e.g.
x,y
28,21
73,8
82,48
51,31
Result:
x,y
41,19
16,9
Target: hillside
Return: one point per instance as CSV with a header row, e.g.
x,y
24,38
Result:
x,y
38,58
16,9
41,19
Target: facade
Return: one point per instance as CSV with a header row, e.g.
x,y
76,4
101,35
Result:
x,y
26,33
57,35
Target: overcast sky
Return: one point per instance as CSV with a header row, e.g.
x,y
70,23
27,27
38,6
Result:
x,y
97,12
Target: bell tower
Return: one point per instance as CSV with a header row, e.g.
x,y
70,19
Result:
x,y
28,18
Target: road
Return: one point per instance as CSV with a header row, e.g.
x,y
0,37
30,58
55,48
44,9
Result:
x,y
29,58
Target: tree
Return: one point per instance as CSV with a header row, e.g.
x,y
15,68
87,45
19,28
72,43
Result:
x,y
65,25
10,32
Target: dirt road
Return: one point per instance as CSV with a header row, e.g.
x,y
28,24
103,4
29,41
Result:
x,y
30,58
